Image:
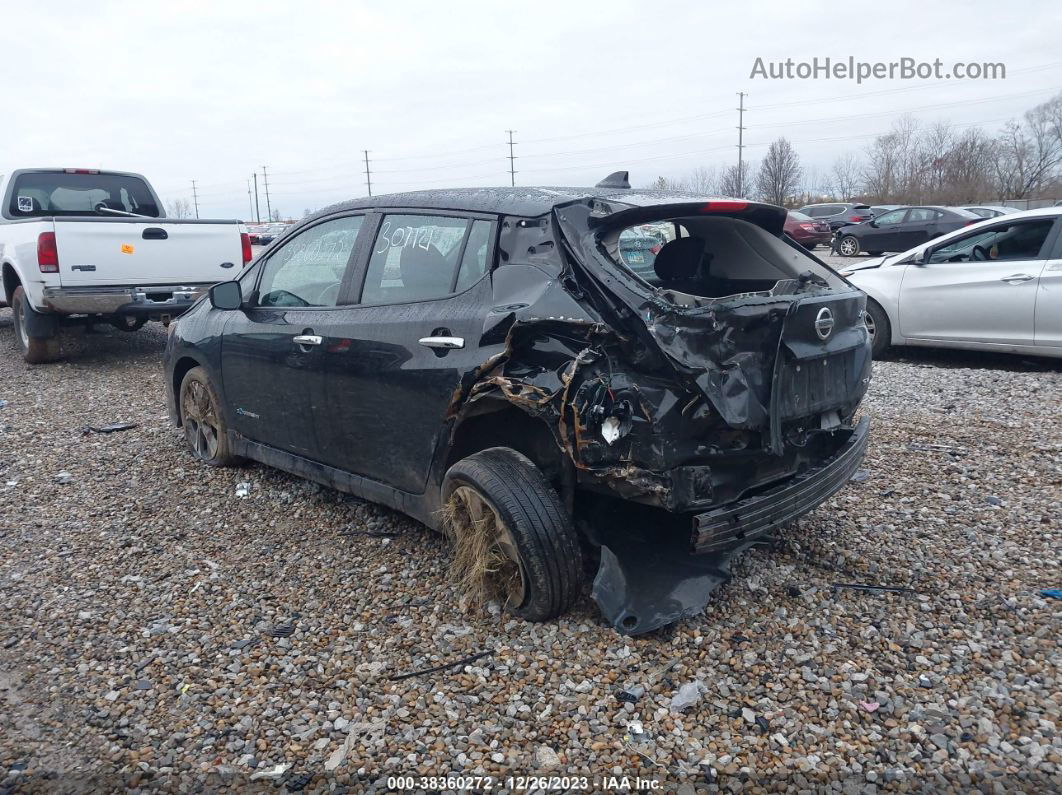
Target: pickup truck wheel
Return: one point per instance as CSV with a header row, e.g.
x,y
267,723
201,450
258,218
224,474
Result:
x,y
513,539
129,323
204,424
35,350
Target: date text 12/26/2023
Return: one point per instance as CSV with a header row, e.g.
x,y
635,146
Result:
x,y
610,783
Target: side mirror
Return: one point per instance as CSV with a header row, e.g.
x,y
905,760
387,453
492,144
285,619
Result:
x,y
873,223
226,295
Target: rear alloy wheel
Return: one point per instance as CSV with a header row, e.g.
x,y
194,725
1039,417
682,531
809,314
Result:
x,y
849,246
878,326
513,540
35,350
204,424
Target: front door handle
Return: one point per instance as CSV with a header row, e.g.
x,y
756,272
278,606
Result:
x,y
307,339
449,343
1017,277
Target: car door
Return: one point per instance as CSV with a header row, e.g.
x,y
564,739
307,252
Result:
x,y
271,348
917,227
391,363
1048,311
978,287
883,233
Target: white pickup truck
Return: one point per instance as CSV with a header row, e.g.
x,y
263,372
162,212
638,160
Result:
x,y
87,246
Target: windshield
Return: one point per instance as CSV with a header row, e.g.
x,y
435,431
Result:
x,y
51,193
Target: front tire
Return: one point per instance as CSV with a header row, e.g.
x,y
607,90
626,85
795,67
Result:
x,y
849,246
205,428
879,327
35,350
513,538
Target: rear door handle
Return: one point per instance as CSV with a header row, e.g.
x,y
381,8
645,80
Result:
x,y
449,343
307,339
155,233
1017,277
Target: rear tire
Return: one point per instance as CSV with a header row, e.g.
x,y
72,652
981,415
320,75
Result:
x,y
35,350
879,327
529,536
205,428
849,246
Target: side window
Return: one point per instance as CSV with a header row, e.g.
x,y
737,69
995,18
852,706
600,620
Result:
x,y
308,268
893,217
413,258
474,262
921,214
1000,243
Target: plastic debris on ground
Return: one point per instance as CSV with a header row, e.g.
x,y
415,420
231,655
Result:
x,y
274,772
113,427
869,706
1051,593
64,477
687,695
243,490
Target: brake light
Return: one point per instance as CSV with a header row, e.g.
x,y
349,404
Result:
x,y
655,249
726,206
245,243
975,221
47,253
809,227
856,218
81,170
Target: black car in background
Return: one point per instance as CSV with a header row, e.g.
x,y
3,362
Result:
x,y
489,362
838,214
899,230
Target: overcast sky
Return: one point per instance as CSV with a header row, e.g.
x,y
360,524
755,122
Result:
x,y
214,91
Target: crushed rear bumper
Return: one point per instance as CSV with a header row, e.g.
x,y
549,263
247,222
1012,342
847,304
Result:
x,y
645,581
753,516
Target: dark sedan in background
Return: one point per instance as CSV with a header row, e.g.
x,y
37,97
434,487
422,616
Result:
x,y
838,214
805,230
899,230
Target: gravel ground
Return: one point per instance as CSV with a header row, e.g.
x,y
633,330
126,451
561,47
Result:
x,y
160,632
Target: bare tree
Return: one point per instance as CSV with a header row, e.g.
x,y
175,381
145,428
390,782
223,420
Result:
x,y
1027,155
180,208
731,185
667,183
844,177
779,175
703,180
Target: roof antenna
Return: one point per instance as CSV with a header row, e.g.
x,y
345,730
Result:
x,y
617,179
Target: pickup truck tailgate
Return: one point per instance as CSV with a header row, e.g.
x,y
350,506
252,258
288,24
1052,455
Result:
x,y
119,251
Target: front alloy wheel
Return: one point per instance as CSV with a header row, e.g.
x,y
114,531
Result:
x,y
849,246
204,424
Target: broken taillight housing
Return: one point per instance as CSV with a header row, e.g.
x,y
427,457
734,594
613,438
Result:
x,y
725,206
47,253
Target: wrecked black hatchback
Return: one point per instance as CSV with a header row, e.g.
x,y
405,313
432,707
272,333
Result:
x,y
561,380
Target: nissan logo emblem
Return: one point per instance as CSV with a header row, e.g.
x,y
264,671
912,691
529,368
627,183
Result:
x,y
824,323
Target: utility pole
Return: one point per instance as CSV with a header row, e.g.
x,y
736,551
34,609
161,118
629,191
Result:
x,y
368,176
512,160
195,199
269,207
741,142
250,202
257,212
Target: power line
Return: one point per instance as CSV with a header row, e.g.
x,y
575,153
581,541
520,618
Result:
x,y
257,211
250,203
512,160
269,207
195,199
368,176
741,139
